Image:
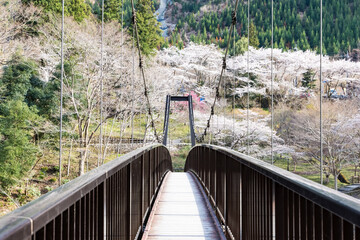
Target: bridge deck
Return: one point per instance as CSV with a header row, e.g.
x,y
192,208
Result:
x,y
182,212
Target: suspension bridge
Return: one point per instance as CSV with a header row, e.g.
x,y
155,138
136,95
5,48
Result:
x,y
222,194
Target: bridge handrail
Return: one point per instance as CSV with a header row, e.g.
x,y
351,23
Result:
x,y
286,188
28,220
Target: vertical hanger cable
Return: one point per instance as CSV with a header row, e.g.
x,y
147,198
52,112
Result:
x,y
61,90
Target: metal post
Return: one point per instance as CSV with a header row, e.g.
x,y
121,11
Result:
x,y
191,119
166,119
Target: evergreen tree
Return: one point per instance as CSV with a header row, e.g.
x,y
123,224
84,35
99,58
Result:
x,y
21,81
148,27
112,9
17,152
308,80
78,9
254,40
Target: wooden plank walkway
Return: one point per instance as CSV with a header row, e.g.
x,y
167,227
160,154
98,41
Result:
x,y
182,212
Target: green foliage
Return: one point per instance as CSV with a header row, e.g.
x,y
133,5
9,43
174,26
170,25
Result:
x,y
308,80
254,40
112,9
148,27
21,81
17,152
75,8
240,47
24,96
16,78
296,23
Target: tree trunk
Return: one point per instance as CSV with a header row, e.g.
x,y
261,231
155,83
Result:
x,y
327,178
335,181
81,163
355,170
294,162
288,164
83,157
69,162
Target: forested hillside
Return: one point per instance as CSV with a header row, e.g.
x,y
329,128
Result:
x,y
296,23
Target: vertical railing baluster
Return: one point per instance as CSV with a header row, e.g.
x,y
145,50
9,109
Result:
x,y
280,214
318,222
348,230
241,226
65,223
129,199
58,227
303,218
142,210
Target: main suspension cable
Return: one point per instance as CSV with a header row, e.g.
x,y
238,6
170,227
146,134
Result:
x,y
143,72
232,26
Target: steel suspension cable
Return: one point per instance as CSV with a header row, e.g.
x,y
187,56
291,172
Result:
x,y
211,127
248,84
143,72
272,82
321,90
224,110
132,90
234,87
201,138
61,87
100,155
122,62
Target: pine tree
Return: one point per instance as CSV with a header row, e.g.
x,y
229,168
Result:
x,y
148,27
112,9
308,80
17,152
254,40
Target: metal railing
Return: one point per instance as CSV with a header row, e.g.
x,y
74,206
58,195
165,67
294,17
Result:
x,y
110,202
255,200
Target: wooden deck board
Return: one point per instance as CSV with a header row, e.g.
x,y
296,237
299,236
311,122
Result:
x,y
181,212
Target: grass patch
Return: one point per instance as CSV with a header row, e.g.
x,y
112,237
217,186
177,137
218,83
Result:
x,y
308,171
179,158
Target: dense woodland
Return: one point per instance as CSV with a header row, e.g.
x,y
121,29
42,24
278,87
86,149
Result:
x,y
296,23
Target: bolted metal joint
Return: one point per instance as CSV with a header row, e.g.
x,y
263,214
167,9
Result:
x,y
233,18
134,17
224,63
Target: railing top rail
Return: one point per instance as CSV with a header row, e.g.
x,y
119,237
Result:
x,y
339,203
53,203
